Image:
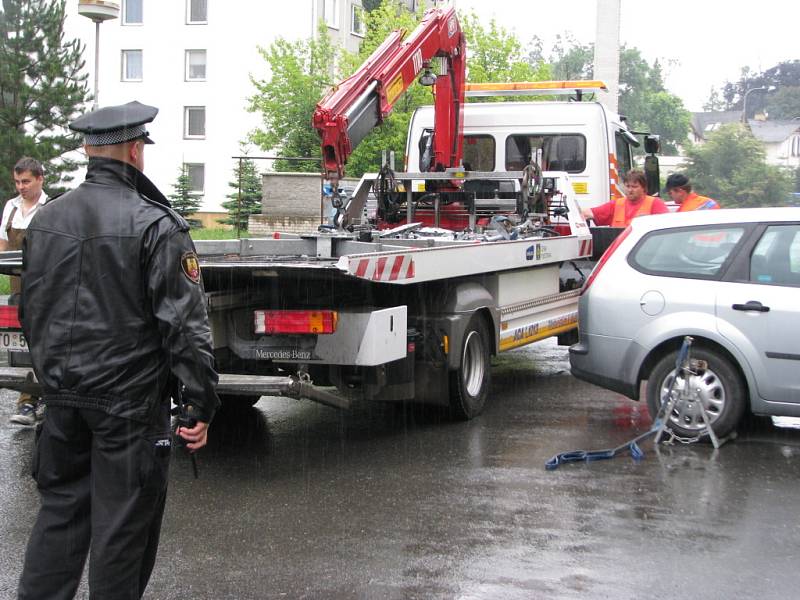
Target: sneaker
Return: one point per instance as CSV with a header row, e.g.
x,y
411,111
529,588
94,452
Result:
x,y
25,416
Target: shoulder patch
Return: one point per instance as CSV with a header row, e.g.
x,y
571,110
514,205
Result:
x,y
191,266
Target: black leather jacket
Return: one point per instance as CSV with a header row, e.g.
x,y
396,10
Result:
x,y
109,311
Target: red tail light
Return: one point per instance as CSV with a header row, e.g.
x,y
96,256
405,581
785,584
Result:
x,y
270,322
9,317
604,259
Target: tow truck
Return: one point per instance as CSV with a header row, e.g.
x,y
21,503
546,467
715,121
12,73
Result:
x,y
408,307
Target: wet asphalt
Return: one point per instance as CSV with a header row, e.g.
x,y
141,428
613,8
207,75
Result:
x,y
296,500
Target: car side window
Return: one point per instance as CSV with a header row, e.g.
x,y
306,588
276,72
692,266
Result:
x,y
695,252
776,258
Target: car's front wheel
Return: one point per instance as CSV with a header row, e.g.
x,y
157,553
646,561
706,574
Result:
x,y
716,389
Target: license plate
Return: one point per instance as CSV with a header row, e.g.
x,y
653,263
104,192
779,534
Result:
x,y
13,341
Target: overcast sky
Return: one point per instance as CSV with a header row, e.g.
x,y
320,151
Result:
x,y
701,43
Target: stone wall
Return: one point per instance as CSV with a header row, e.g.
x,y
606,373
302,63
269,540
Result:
x,y
291,202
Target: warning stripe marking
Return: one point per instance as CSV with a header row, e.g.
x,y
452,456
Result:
x,y
385,268
613,178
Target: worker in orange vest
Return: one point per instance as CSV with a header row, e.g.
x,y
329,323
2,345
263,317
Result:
x,y
679,189
620,211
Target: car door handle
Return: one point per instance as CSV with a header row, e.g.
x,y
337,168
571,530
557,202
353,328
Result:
x,y
752,305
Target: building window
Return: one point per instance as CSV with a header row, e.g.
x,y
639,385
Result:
x,y
195,65
132,65
197,12
194,122
331,15
197,177
357,20
132,13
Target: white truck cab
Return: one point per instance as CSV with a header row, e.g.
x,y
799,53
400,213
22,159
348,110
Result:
x,y
585,139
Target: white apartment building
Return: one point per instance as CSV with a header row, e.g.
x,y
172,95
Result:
x,y
193,60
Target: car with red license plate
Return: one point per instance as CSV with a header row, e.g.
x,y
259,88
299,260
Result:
x,y
728,278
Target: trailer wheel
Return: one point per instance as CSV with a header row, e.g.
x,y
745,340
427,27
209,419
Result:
x,y
469,384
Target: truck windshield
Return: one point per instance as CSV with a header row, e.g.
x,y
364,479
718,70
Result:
x,y
559,152
478,152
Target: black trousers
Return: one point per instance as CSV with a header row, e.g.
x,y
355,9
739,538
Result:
x,y
103,483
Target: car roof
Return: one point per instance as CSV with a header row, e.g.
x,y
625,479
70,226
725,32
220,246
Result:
x,y
722,217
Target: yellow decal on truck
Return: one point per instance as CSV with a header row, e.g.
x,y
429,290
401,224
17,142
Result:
x,y
394,89
580,187
540,330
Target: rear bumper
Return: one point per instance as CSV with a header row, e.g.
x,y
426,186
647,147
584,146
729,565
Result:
x,y
601,360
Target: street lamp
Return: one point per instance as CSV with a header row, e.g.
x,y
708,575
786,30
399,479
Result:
x,y
747,93
98,11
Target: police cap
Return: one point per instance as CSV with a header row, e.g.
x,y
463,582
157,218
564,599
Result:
x,y
115,124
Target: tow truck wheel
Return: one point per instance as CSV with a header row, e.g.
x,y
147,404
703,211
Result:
x,y
469,384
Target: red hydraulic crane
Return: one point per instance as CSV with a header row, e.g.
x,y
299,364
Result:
x,y
362,101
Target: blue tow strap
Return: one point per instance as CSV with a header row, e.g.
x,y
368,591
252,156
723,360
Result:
x,y
593,455
631,445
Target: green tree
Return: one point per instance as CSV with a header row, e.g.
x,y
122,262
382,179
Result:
x,y
300,74
183,200
571,60
715,102
493,54
245,200
784,103
497,55
731,168
42,88
782,75
643,97
391,134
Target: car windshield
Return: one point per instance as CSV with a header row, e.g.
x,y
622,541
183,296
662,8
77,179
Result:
x,y
697,251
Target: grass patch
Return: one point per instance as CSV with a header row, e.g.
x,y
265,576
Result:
x,y
216,234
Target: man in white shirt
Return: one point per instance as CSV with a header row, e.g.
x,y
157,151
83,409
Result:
x,y
17,215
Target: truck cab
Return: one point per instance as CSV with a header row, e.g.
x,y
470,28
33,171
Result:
x,y
584,139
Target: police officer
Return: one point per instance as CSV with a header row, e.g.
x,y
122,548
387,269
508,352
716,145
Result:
x,y
114,311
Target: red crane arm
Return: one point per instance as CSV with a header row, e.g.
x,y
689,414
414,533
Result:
x,y
362,101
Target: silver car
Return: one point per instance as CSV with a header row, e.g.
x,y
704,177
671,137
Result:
x,y
730,279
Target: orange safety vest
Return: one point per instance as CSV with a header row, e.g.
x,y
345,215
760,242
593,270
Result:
x,y
619,219
697,202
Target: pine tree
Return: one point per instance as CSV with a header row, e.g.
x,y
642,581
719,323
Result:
x,y
42,89
183,200
249,203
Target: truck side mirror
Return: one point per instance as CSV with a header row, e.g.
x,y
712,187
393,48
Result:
x,y
652,144
653,174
